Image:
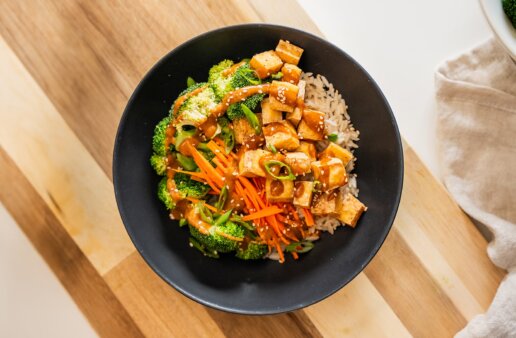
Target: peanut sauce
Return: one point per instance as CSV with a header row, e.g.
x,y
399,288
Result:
x,y
180,100
253,142
238,95
209,128
232,69
183,148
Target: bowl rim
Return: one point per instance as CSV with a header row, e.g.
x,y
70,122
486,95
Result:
x,y
270,311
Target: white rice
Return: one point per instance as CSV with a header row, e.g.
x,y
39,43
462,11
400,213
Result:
x,y
321,95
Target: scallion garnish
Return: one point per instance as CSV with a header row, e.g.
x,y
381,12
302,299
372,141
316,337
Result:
x,y
268,164
300,247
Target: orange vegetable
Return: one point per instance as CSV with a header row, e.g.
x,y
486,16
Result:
x,y
273,210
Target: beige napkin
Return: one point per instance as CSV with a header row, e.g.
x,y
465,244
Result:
x,y
476,104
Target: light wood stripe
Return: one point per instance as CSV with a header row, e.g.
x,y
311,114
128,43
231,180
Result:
x,y
61,170
80,278
352,310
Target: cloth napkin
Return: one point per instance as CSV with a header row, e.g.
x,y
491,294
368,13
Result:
x,y
476,106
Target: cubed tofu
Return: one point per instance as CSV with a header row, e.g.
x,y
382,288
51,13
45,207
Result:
x,y
284,92
242,129
270,115
279,190
277,105
325,203
281,135
312,125
288,52
334,150
350,209
308,148
265,64
299,162
303,191
295,116
249,165
330,172
291,73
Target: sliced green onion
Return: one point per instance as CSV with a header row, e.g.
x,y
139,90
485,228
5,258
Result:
x,y
223,218
195,244
277,76
250,230
183,222
333,137
203,147
182,135
228,137
186,162
300,247
206,214
222,198
190,82
272,148
268,164
252,118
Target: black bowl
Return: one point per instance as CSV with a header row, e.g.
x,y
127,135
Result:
x,y
264,286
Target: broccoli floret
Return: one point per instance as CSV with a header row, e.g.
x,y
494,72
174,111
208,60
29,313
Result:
x,y
159,163
196,109
164,195
245,76
235,112
158,140
217,242
189,188
220,84
254,250
509,7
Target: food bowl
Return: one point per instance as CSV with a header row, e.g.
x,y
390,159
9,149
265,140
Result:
x,y
263,286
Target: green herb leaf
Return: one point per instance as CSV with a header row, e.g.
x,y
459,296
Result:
x,y
333,137
190,82
268,164
300,247
252,118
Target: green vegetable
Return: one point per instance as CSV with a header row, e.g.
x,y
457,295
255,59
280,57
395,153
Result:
x,y
300,247
205,213
203,147
509,7
245,76
254,250
272,148
182,222
182,135
190,82
222,198
196,108
220,84
223,218
159,137
333,137
290,176
226,134
159,163
164,195
250,230
235,111
217,242
252,118
186,162
277,76
189,188
206,252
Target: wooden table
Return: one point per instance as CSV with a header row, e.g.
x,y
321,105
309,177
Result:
x,y
67,70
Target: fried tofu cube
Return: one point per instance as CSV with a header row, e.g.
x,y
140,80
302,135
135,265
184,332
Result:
x,y
295,116
265,64
249,165
334,150
291,73
279,190
288,52
325,203
330,172
270,115
281,135
284,92
308,148
303,191
350,209
242,129
299,162
277,105
312,125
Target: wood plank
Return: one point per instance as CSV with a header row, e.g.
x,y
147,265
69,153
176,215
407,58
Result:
x,y
79,277
61,170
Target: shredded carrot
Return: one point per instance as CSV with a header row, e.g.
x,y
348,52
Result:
x,y
309,219
205,166
295,255
263,213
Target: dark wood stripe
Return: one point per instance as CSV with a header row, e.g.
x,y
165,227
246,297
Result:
x,y
421,305
89,291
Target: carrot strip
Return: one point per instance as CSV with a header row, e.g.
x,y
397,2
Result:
x,y
295,255
309,219
205,165
273,210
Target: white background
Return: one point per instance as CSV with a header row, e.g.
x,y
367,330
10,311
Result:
x,y
399,42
